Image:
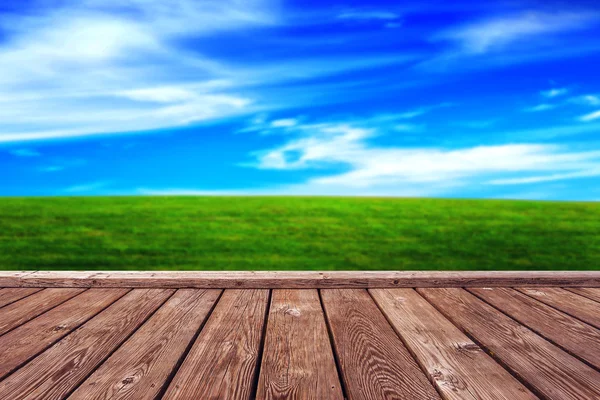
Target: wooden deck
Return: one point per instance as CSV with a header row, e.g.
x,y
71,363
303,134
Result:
x,y
299,335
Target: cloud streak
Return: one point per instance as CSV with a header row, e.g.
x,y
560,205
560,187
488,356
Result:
x,y
379,169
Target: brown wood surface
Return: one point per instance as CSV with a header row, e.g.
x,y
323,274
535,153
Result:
x,y
30,307
549,370
458,367
60,369
297,361
10,295
223,361
573,304
31,338
373,361
141,366
590,293
570,333
297,279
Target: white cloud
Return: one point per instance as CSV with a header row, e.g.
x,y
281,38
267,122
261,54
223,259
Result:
x,y
591,172
52,168
97,67
86,188
556,92
368,15
410,171
496,33
588,100
25,153
591,116
283,123
541,107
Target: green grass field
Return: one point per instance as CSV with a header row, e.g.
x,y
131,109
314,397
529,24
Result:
x,y
287,233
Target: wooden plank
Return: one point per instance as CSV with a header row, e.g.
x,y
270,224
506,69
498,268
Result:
x,y
590,293
30,307
373,361
550,371
10,295
456,365
223,360
140,368
573,304
297,359
571,334
59,370
298,279
26,341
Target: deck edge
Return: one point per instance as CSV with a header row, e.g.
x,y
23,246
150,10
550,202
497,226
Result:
x,y
296,279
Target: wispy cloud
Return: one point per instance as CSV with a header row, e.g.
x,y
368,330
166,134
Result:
x,y
588,100
555,92
497,33
25,153
52,168
587,173
541,107
86,188
284,123
374,168
591,116
362,15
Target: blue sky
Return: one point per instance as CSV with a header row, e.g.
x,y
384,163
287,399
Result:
x,y
494,99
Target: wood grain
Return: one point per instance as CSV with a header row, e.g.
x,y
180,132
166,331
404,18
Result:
x,y
573,304
11,295
26,341
552,372
456,365
373,361
60,369
297,279
297,359
590,293
30,307
222,362
573,335
141,366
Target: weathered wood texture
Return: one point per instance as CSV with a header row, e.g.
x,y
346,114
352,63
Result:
x,y
396,343
590,293
10,295
30,307
26,341
373,361
568,332
298,279
140,368
223,361
549,370
573,304
297,359
59,370
458,367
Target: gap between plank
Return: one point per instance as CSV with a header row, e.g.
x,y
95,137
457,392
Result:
x,y
64,337
410,351
185,353
558,309
261,347
50,309
22,298
75,387
489,352
581,294
338,365
552,342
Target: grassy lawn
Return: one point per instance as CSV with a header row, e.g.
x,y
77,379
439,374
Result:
x,y
291,233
